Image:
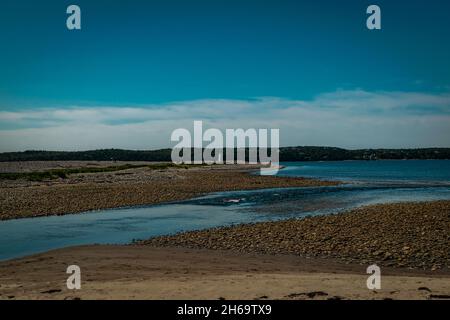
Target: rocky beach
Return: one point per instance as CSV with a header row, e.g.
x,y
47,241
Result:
x,y
406,235
144,184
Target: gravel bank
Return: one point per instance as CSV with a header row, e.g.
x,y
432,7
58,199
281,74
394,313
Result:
x,y
138,186
413,235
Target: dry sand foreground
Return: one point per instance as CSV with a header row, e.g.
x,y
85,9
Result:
x,y
130,272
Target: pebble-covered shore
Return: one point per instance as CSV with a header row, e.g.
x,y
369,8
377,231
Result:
x,y
137,186
413,235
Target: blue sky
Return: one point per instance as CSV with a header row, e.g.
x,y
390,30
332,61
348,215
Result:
x,y
139,69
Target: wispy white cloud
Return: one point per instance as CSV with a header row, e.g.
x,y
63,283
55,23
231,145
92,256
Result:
x,y
372,101
351,119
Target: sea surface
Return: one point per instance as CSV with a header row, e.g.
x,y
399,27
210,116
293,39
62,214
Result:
x,y
363,183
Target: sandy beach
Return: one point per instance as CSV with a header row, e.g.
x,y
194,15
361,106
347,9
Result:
x,y
130,272
195,266
136,186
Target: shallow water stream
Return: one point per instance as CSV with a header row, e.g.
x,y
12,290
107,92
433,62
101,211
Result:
x,y
365,183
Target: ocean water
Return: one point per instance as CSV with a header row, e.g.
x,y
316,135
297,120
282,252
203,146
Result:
x,y
395,171
364,182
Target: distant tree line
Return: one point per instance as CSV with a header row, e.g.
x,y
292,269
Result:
x,y
91,155
335,154
286,154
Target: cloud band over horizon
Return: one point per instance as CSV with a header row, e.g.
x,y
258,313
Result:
x,y
344,118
